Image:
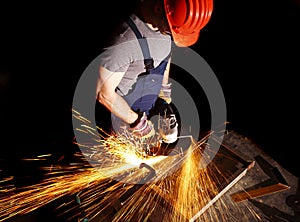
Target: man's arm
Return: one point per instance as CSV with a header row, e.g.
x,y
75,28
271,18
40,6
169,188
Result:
x,y
106,95
165,92
166,73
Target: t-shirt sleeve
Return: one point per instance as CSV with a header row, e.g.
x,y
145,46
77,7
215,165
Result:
x,y
115,58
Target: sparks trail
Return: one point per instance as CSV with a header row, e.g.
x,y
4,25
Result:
x,y
119,177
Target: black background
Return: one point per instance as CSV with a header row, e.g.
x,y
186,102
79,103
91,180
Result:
x,y
252,47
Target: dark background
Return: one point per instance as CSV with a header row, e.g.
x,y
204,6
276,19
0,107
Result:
x,y
252,47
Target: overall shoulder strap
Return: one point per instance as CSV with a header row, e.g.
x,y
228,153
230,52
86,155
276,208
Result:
x,y
148,61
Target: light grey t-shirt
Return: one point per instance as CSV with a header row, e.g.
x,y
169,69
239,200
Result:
x,y
125,53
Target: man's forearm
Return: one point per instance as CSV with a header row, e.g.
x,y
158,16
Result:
x,y
166,73
119,107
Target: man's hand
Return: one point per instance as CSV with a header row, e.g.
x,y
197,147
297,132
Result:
x,y
168,128
167,122
142,127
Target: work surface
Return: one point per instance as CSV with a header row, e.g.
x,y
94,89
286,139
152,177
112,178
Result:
x,y
244,184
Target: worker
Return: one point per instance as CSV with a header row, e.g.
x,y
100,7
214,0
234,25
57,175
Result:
x,y
133,87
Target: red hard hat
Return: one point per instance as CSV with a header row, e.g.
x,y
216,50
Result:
x,y
186,18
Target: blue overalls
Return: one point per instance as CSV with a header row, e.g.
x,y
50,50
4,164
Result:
x,y
145,91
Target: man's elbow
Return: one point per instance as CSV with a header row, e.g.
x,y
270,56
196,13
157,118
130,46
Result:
x,y
105,98
101,97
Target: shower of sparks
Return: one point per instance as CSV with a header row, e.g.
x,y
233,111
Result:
x,y
119,174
